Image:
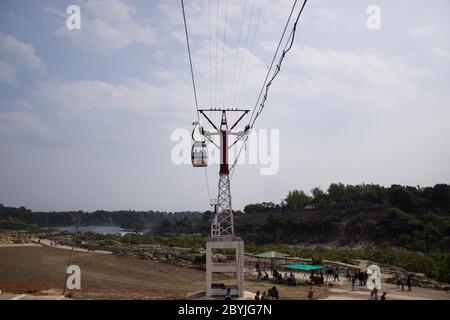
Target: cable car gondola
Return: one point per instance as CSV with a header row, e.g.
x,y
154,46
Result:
x,y
199,154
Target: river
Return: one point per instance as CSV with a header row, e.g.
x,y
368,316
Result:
x,y
103,230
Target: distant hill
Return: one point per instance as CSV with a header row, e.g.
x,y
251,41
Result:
x,y
413,218
97,218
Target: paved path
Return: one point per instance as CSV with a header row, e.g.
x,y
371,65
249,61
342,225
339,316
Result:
x,y
19,245
341,294
30,297
48,243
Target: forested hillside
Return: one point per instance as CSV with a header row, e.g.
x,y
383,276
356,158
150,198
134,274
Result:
x,y
413,218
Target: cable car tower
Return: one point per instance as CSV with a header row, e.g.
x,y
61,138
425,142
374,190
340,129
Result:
x,y
222,227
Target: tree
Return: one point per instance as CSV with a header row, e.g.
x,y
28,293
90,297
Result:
x,y
320,198
402,198
265,207
441,197
337,193
297,200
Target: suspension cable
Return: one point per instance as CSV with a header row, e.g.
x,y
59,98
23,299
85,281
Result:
x,y
221,101
216,75
210,55
190,59
193,84
244,53
288,47
233,82
241,87
267,84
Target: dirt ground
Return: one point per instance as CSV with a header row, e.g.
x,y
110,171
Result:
x,y
40,270
286,292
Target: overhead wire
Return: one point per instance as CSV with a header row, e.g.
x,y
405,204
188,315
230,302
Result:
x,y
241,87
288,47
210,54
193,83
190,59
233,82
260,104
223,55
244,54
217,52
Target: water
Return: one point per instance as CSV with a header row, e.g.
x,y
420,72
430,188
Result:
x,y
103,230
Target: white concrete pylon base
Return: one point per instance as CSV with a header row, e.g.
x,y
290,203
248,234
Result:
x,y
236,267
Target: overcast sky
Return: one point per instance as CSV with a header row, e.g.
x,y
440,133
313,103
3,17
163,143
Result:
x,y
86,116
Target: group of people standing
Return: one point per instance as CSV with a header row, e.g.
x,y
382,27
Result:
x,y
278,277
401,283
360,276
271,293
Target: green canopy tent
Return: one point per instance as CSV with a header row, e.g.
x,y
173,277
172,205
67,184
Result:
x,y
299,267
303,267
273,256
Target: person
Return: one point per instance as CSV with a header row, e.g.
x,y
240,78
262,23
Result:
x,y
264,296
258,295
321,278
349,276
266,276
353,283
366,277
383,296
398,282
336,275
274,293
259,275
403,284
228,294
360,277
310,293
280,279
275,274
408,282
375,293
292,280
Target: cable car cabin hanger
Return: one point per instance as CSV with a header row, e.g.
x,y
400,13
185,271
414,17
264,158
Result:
x,y
199,153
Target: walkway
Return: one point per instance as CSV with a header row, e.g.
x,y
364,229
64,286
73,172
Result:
x,y
48,243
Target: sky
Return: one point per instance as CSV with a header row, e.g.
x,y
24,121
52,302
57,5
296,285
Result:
x,y
87,116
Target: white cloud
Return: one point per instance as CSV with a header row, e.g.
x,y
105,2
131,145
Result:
x,y
22,53
422,31
8,74
132,96
440,53
21,121
106,25
354,79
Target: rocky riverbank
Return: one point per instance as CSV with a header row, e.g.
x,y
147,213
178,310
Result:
x,y
181,257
